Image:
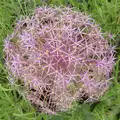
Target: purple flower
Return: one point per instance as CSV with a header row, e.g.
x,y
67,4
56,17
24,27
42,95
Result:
x,y
59,55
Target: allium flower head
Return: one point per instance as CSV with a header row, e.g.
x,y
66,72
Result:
x,y
60,56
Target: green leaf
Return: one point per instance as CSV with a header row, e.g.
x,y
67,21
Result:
x,y
74,3
58,2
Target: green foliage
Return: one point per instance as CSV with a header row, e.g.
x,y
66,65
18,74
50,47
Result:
x,y
58,2
74,3
14,106
107,15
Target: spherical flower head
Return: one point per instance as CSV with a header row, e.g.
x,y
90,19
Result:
x,y
61,56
